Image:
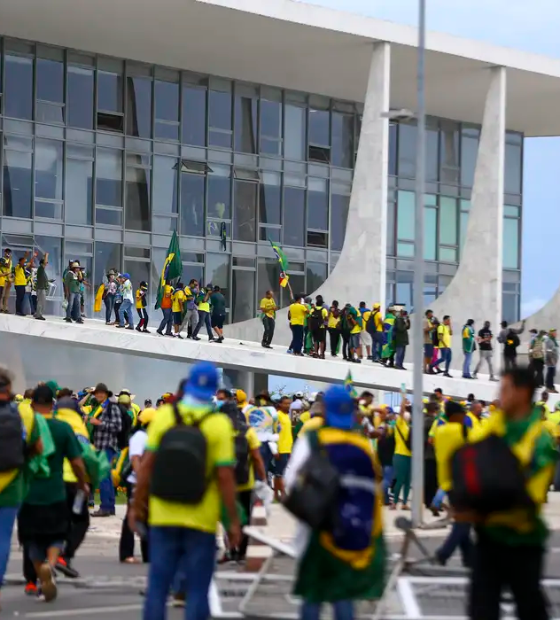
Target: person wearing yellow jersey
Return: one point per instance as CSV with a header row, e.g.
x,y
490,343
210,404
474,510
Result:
x,y
191,317
5,279
297,313
285,443
166,306
333,325
21,275
375,328
366,340
474,416
203,305
178,300
444,333
141,305
184,534
355,323
403,456
268,309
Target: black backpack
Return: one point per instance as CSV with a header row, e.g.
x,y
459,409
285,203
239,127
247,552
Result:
x,y
242,452
123,436
180,466
314,495
315,320
12,441
370,325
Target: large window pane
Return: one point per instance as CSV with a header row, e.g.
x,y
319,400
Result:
x,y
109,178
448,221
137,216
194,116
510,307
393,129
18,76
511,244
430,233
513,169
339,218
18,179
407,150
139,271
80,97
246,124
317,205
391,231
431,162
271,127
449,153
139,107
316,275
50,80
167,110
268,277
166,171
294,133
319,127
107,256
294,216
245,215
192,204
405,216
78,191
342,140
48,169
404,288
219,118
270,199
469,152
242,296
219,194
109,92
217,272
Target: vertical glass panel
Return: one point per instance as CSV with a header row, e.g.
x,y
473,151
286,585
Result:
x,y
139,272
48,169
511,244
405,216
219,194
430,233
80,98
448,255
137,215
217,272
294,216
294,133
270,199
167,110
194,116
246,124
79,191
510,307
316,275
513,169
319,127
139,107
18,179
407,150
245,215
166,172
469,153
405,249
393,129
192,204
342,140
404,293
464,217
268,276
339,218
448,221
219,110
432,143
391,232
271,127
107,256
317,204
242,296
108,185
449,152
18,92
50,80
109,92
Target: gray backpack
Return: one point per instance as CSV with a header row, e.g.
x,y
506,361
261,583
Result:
x,y
12,438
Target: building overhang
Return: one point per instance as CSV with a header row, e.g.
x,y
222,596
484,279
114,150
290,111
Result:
x,y
296,46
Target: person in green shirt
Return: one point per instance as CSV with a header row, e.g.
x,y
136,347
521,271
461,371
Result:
x,y
72,286
43,519
468,348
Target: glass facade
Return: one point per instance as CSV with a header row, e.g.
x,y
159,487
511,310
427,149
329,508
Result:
x,y
102,159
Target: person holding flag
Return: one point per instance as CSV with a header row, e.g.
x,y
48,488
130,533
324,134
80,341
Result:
x,y
172,270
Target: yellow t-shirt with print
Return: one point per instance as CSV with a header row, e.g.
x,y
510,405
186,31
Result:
x,y
444,336
333,321
268,307
218,432
357,328
138,300
178,299
5,272
298,314
20,278
254,444
285,437
402,432
365,318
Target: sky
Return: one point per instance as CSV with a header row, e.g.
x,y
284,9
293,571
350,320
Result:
x,y
529,26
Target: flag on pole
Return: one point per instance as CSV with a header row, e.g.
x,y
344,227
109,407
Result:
x,y
172,267
283,262
349,385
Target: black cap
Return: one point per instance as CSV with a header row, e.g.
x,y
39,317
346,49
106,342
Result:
x,y
43,395
101,387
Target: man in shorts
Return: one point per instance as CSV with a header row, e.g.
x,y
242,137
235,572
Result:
x,y
218,313
285,443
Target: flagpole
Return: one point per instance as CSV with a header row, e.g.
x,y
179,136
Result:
x,y
418,336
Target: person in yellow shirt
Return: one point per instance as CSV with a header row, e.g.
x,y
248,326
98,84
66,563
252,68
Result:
x,y
5,279
21,276
444,332
333,327
178,299
402,461
377,335
268,308
183,534
203,305
297,313
141,304
285,443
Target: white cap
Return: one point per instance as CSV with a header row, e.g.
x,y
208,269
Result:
x,y
312,397
298,394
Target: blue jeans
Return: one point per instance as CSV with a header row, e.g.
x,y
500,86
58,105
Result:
x,y
126,306
467,364
460,536
388,477
438,498
109,305
106,488
167,321
444,356
73,307
266,455
8,516
297,338
377,346
399,356
343,610
174,549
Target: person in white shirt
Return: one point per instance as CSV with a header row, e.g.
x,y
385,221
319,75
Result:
x,y
127,302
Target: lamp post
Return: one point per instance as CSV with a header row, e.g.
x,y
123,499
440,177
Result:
x,y
418,336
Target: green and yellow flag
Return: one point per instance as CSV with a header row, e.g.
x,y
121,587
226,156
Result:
x,y
172,267
349,385
283,262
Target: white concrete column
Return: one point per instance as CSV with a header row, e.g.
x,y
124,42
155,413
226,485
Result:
x,y
476,290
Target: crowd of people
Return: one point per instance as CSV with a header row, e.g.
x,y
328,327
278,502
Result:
x,y
237,449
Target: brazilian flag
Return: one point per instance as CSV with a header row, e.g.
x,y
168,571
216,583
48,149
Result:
x,y
172,268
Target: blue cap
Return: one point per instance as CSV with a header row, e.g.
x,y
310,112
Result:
x,y
203,381
339,407
126,275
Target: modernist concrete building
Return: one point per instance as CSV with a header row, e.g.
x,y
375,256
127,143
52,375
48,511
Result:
x,y
123,121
